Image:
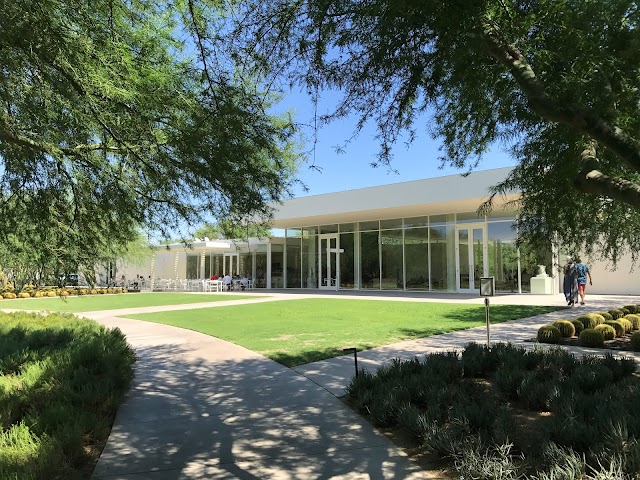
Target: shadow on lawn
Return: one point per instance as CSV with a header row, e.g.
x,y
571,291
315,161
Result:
x,y
193,414
499,313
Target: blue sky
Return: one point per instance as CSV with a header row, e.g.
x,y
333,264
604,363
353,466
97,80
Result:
x,y
351,169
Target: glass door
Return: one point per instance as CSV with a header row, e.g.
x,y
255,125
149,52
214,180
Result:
x,y
471,256
231,264
329,262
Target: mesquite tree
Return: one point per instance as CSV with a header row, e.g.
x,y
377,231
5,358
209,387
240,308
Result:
x,y
557,83
122,115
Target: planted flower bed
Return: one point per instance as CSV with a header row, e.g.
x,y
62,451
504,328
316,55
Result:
x,y
617,329
507,413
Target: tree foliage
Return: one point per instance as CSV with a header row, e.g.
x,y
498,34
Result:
x,y
233,230
555,82
118,115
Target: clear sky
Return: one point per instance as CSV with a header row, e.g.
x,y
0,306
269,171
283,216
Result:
x,y
351,168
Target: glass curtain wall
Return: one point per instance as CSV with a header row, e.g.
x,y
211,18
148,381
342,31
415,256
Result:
x,y
277,266
193,267
442,259
416,252
246,264
392,277
413,254
347,260
294,249
369,256
260,280
503,256
310,257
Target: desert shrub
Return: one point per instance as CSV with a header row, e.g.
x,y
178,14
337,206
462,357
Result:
x,y
549,334
508,380
617,326
474,460
590,378
620,367
628,326
625,310
616,314
635,341
477,360
567,330
588,321
607,331
414,420
9,295
24,295
64,293
631,308
577,324
634,319
592,338
102,291
51,293
535,393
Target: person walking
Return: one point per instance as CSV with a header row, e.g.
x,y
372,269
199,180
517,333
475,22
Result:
x,y
570,283
582,271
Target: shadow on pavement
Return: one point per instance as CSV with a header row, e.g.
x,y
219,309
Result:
x,y
188,416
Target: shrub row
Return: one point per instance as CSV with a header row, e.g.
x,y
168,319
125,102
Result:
x,y
463,409
594,329
59,292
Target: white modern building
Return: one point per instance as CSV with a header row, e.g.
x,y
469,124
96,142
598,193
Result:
x,y
423,235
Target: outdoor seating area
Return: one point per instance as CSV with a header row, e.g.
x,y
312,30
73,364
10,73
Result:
x,y
198,285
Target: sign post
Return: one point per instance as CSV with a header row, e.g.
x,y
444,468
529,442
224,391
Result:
x,y
487,289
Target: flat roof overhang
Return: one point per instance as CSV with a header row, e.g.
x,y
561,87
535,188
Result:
x,y
433,196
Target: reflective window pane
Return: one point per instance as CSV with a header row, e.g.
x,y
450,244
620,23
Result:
x,y
441,240
369,260
347,279
391,250
310,262
294,268
416,251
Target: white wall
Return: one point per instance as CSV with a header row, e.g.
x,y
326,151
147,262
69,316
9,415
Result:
x,y
621,281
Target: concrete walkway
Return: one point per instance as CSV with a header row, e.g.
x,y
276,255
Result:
x,y
203,408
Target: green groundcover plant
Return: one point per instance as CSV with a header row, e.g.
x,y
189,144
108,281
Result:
x,y
508,413
61,381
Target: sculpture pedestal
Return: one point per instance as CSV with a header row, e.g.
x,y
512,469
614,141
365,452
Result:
x,y
542,285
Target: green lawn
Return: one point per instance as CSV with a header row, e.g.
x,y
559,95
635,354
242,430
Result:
x,y
113,302
295,332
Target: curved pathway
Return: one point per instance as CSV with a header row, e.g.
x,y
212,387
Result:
x,y
203,408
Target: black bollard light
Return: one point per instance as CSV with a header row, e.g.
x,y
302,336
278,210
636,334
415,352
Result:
x,y
355,356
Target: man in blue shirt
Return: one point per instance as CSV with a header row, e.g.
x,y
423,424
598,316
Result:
x,y
583,271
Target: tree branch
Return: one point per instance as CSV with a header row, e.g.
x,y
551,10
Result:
x,y
581,119
592,181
